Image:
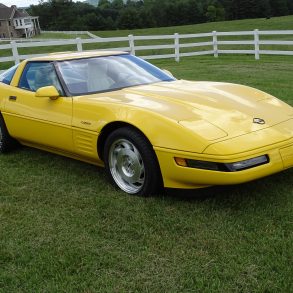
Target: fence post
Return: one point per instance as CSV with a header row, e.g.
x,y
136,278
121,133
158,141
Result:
x,y
131,44
79,44
15,52
177,47
256,44
215,44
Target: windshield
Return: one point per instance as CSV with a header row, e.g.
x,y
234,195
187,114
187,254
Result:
x,y
106,73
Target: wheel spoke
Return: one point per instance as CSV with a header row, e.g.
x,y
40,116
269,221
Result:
x,y
126,145
140,180
126,166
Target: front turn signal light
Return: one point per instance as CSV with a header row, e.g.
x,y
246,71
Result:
x,y
181,162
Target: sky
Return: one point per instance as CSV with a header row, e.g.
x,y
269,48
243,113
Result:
x,y
19,3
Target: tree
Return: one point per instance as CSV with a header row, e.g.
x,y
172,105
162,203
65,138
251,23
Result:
x,y
195,12
146,18
104,4
279,7
211,13
265,9
69,15
129,19
117,4
215,12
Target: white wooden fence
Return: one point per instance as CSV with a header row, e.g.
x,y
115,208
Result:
x,y
72,33
212,45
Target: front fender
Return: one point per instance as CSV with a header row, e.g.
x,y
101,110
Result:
x,y
160,130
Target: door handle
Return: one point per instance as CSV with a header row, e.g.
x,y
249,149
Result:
x,y
12,98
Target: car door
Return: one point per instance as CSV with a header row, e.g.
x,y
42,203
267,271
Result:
x,y
35,120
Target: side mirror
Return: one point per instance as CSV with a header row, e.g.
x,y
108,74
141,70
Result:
x,y
48,92
168,72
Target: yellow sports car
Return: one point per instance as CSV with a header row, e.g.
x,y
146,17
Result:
x,y
148,129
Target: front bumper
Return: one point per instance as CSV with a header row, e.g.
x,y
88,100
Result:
x,y
175,176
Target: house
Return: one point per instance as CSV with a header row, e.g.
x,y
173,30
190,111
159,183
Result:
x,y
17,23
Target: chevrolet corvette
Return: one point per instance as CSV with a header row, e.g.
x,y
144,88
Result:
x,y
148,129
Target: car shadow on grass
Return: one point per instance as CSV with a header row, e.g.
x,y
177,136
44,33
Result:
x,y
266,192
272,180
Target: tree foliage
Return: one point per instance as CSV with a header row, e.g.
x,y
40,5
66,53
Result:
x,y
130,14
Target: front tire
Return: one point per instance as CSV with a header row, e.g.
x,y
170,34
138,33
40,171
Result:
x,y
7,143
131,162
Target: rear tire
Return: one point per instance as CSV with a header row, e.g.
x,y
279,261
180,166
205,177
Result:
x,y
131,162
7,143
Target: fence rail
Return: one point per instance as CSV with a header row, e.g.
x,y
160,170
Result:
x,y
72,33
212,45
24,40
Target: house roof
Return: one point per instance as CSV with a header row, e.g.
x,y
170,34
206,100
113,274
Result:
x,y
20,13
6,12
11,12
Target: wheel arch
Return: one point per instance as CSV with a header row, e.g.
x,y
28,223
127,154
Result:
x,y
7,143
108,129
2,118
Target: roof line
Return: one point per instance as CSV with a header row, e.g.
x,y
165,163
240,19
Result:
x,y
13,12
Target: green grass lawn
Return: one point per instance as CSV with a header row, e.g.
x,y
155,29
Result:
x,y
48,35
64,228
275,23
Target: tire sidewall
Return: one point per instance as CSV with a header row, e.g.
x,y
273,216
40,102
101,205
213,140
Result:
x,y
7,142
152,182
3,142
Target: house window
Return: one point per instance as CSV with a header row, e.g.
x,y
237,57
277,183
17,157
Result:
x,y
16,22
20,22
9,22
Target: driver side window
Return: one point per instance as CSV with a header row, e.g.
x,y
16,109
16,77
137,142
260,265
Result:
x,y
39,74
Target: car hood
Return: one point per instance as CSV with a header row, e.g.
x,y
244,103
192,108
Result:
x,y
233,109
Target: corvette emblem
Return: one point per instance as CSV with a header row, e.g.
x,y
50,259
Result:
x,y
258,121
